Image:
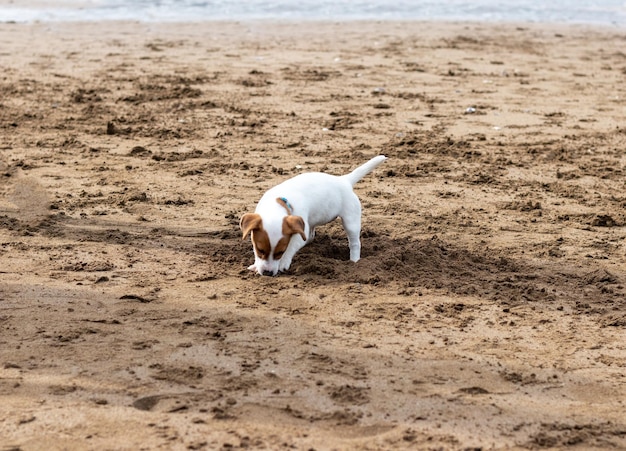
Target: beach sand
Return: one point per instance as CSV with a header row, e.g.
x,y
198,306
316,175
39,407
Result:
x,y
487,312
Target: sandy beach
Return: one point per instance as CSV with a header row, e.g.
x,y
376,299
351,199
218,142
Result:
x,y
488,310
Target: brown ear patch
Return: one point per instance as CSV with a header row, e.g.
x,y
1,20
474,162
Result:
x,y
281,247
261,243
293,224
250,222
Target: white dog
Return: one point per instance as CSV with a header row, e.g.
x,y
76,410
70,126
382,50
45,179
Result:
x,y
286,216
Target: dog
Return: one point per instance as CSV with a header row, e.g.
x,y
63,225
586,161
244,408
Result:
x,y
286,216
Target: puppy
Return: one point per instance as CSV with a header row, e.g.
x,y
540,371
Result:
x,y
286,216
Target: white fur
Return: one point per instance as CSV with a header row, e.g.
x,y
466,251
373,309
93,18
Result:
x,y
318,198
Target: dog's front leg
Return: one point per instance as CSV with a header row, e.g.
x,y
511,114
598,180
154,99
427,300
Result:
x,y
295,245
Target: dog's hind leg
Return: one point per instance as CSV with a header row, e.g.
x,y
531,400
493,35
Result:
x,y
352,225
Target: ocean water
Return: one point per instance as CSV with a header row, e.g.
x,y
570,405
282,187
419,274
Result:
x,y
600,12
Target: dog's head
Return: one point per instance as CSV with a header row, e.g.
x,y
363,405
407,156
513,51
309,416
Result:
x,y
270,239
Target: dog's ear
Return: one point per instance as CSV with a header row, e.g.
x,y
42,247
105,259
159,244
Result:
x,y
293,224
250,222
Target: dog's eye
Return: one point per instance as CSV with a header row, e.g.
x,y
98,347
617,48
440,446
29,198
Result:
x,y
277,255
262,254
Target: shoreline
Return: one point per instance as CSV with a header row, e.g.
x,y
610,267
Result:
x,y
431,27
287,21
610,13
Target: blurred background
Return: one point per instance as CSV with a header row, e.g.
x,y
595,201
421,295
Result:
x,y
605,12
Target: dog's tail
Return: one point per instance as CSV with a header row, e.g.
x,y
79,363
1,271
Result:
x,y
364,169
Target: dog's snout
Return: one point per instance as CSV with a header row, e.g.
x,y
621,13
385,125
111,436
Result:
x,y
268,273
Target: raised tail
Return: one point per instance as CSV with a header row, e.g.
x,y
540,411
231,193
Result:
x,y
364,169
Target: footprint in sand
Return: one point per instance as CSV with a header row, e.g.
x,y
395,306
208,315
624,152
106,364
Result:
x,y
28,202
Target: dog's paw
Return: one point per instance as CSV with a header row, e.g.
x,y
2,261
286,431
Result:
x,y
252,268
284,266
